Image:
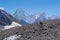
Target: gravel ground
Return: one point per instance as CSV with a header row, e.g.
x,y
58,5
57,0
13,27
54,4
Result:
x,y
48,30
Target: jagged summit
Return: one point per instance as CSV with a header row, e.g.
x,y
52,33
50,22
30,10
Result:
x,y
21,12
21,16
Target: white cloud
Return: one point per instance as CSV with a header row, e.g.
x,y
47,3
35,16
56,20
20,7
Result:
x,y
2,8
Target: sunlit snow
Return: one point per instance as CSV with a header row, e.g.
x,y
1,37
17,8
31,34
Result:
x,y
14,24
14,37
1,8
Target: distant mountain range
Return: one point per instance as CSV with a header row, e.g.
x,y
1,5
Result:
x,y
22,17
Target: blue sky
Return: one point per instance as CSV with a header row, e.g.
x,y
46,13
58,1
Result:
x,y
50,7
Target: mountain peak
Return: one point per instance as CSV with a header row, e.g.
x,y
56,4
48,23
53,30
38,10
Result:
x,y
19,10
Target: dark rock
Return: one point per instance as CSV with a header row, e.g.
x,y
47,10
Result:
x,y
4,18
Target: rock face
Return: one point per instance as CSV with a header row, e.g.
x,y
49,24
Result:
x,y
4,18
48,30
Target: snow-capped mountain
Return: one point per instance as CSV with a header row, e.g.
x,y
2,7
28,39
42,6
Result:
x,y
38,17
23,17
41,17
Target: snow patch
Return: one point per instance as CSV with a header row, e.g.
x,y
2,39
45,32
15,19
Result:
x,y
14,37
1,8
14,24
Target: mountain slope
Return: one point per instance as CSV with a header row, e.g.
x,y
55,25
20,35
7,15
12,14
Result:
x,y
48,30
7,21
4,18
